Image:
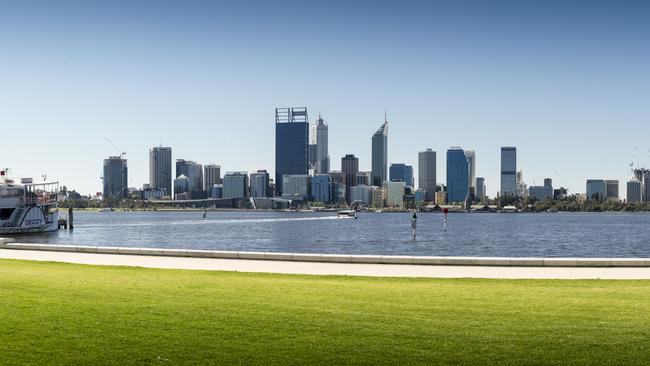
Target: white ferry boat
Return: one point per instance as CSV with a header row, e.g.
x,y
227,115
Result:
x,y
28,207
348,214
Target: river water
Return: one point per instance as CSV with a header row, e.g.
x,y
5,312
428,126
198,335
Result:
x,y
469,234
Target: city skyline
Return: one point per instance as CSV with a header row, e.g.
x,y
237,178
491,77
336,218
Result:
x,y
546,78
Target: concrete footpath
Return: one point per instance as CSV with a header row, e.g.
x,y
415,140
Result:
x,y
331,268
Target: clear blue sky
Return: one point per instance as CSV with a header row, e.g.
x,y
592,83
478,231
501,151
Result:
x,y
567,82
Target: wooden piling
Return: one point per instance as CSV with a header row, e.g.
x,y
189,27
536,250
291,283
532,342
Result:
x,y
70,219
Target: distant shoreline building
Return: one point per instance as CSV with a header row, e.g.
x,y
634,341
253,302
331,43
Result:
x,y
400,172
260,184
211,176
634,191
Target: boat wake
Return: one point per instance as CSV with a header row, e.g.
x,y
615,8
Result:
x,y
200,221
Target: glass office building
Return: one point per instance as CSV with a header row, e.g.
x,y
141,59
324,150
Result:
x,y
291,144
380,155
427,173
508,171
457,175
115,178
401,173
596,189
160,168
321,188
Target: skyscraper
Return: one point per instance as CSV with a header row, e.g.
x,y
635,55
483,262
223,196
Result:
x,y
508,171
350,168
643,176
160,168
291,144
427,173
115,178
318,149
380,155
480,189
596,189
634,191
457,172
471,166
211,176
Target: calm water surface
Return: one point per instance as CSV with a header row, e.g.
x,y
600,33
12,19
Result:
x,y
491,235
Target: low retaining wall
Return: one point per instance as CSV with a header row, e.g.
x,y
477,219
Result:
x,y
342,258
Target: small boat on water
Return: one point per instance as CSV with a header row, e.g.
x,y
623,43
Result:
x,y
509,209
348,214
28,207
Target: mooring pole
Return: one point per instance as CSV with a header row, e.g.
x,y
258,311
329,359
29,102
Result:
x,y
414,223
70,219
446,211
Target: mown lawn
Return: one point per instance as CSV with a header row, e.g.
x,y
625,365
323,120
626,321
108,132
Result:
x,y
54,313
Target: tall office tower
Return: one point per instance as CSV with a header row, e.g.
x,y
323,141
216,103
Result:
x,y
521,186
634,194
291,144
399,172
596,189
457,172
160,168
319,158
115,178
235,185
612,189
480,189
212,176
508,171
471,166
643,176
350,168
260,184
427,173
548,182
193,171
380,155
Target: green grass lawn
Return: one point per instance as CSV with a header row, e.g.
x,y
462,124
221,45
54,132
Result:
x,y
74,314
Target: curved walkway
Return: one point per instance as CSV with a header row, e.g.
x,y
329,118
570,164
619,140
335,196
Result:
x,y
331,268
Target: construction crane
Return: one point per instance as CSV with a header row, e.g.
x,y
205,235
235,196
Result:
x,y
121,151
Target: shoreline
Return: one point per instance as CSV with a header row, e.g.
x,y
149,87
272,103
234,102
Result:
x,y
544,262
331,268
